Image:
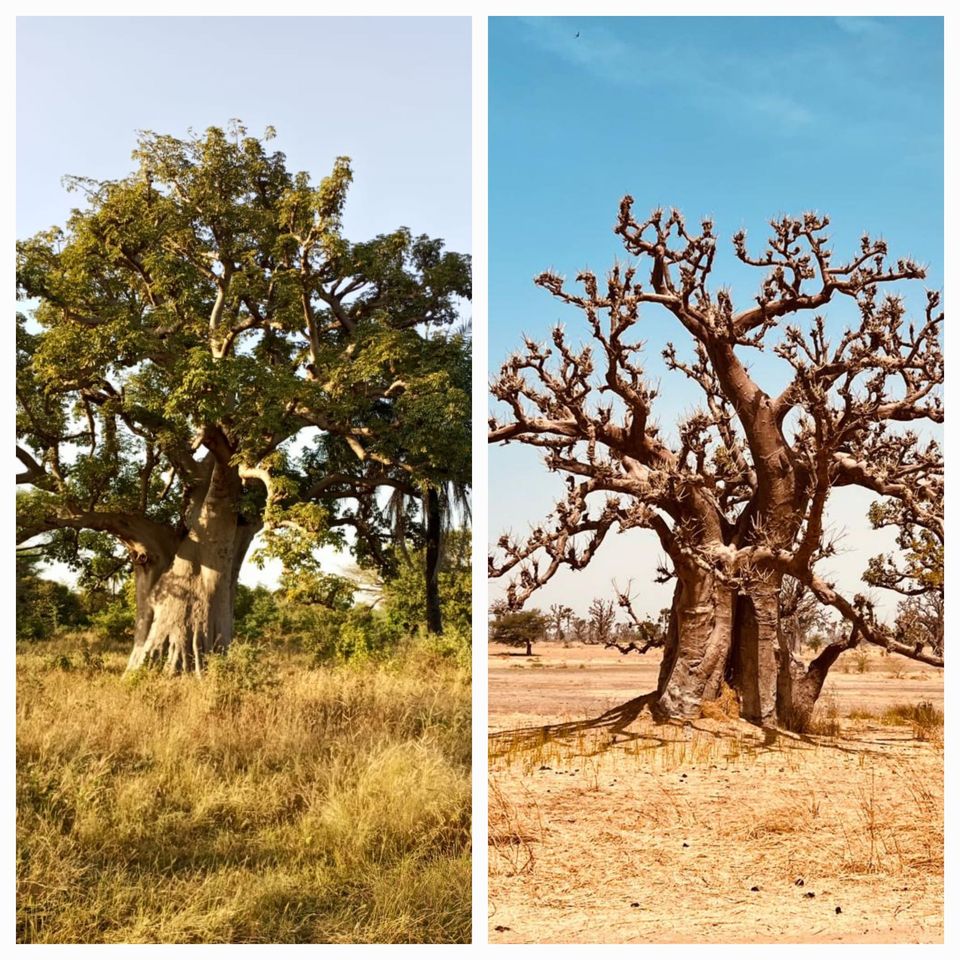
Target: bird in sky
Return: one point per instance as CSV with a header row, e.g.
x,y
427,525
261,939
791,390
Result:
x,y
576,36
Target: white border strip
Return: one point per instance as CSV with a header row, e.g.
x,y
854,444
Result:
x,y
480,487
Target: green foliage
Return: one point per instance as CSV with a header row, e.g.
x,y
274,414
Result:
x,y
210,297
314,613
43,606
243,669
256,614
317,630
520,628
919,566
115,623
364,634
330,636
312,587
405,594
454,644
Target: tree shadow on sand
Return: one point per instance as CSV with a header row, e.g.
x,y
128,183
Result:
x,y
611,729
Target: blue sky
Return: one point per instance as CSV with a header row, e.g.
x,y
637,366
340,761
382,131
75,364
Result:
x,y
738,119
393,94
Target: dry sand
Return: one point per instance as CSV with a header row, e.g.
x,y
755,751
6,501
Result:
x,y
661,833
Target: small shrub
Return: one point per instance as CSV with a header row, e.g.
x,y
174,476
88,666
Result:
x,y
364,634
256,613
59,661
115,623
242,670
91,662
455,643
924,717
319,631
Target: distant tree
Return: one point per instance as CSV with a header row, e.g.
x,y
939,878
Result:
x,y
521,628
443,493
801,614
42,606
920,620
115,616
405,593
559,619
814,642
601,618
443,505
210,358
638,634
580,629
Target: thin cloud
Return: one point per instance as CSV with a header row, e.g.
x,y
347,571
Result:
x,y
593,47
860,26
790,114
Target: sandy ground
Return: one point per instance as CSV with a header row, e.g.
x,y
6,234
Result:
x,y
705,832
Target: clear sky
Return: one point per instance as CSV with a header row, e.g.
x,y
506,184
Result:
x,y
739,119
391,93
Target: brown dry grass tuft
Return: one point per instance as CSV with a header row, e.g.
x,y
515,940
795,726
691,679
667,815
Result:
x,y
513,829
725,707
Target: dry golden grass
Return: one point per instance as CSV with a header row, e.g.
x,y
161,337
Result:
x,y
274,804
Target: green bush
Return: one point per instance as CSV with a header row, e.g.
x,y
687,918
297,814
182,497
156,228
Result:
x,y
363,634
43,606
243,669
455,643
115,622
256,613
405,594
318,630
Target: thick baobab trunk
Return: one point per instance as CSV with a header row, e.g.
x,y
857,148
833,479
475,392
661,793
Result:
x,y
716,636
697,645
432,560
185,602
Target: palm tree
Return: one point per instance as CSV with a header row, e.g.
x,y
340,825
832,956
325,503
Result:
x,y
445,508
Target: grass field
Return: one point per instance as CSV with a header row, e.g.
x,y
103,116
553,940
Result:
x,y
269,802
710,831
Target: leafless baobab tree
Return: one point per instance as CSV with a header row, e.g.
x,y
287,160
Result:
x,y
738,499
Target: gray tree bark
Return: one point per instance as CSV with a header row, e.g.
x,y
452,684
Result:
x,y
185,601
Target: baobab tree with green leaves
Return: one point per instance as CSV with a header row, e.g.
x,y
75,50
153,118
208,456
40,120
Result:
x,y
207,358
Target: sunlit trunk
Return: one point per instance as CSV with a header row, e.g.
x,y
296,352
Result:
x,y
185,605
